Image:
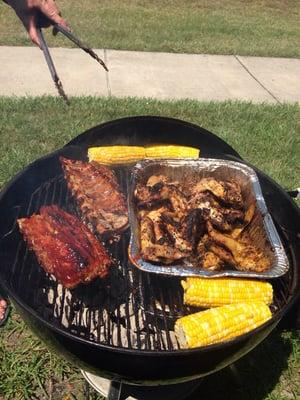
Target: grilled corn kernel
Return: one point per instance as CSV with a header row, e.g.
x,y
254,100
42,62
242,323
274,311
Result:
x,y
201,292
220,324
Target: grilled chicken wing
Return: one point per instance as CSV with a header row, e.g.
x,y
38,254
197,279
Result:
x,y
222,253
193,225
211,261
222,218
158,227
246,256
152,251
207,259
228,192
178,239
165,233
249,214
162,253
64,246
152,190
155,179
146,233
159,191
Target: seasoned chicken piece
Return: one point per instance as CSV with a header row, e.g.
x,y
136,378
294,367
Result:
x,y
155,179
162,253
228,192
222,253
158,227
177,198
171,218
145,194
206,258
167,233
194,225
249,214
146,233
158,192
178,240
211,261
246,256
222,218
152,189
155,236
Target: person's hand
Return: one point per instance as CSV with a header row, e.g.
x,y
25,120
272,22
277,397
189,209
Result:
x,y
3,306
30,12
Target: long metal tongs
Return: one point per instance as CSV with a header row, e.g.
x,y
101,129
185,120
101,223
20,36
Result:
x,y
49,60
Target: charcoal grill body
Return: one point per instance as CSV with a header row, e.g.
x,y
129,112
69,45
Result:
x,y
155,366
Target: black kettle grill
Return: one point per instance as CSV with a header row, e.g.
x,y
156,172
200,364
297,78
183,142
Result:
x,y
122,328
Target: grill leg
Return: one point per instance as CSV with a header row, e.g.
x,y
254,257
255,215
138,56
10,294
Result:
x,y
115,391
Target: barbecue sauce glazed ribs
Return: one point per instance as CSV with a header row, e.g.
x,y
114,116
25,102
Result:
x,y
64,246
98,195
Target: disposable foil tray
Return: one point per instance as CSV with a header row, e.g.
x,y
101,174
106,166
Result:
x,y
261,229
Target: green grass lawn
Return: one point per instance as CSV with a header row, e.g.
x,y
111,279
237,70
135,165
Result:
x,y
257,27
265,135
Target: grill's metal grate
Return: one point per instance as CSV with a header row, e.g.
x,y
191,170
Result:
x,y
129,309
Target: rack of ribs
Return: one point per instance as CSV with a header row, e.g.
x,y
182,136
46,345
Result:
x,y
97,193
64,246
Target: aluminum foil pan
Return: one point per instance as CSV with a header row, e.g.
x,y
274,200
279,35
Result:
x,y
261,229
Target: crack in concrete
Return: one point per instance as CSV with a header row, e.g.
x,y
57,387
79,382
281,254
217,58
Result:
x,y
257,80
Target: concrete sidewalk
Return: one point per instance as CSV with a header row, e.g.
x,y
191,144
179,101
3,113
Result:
x,y
156,75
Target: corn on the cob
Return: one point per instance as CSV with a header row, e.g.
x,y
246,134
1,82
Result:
x,y
201,292
130,154
220,323
116,154
171,151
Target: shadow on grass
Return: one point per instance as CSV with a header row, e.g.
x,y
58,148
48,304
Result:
x,y
253,377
